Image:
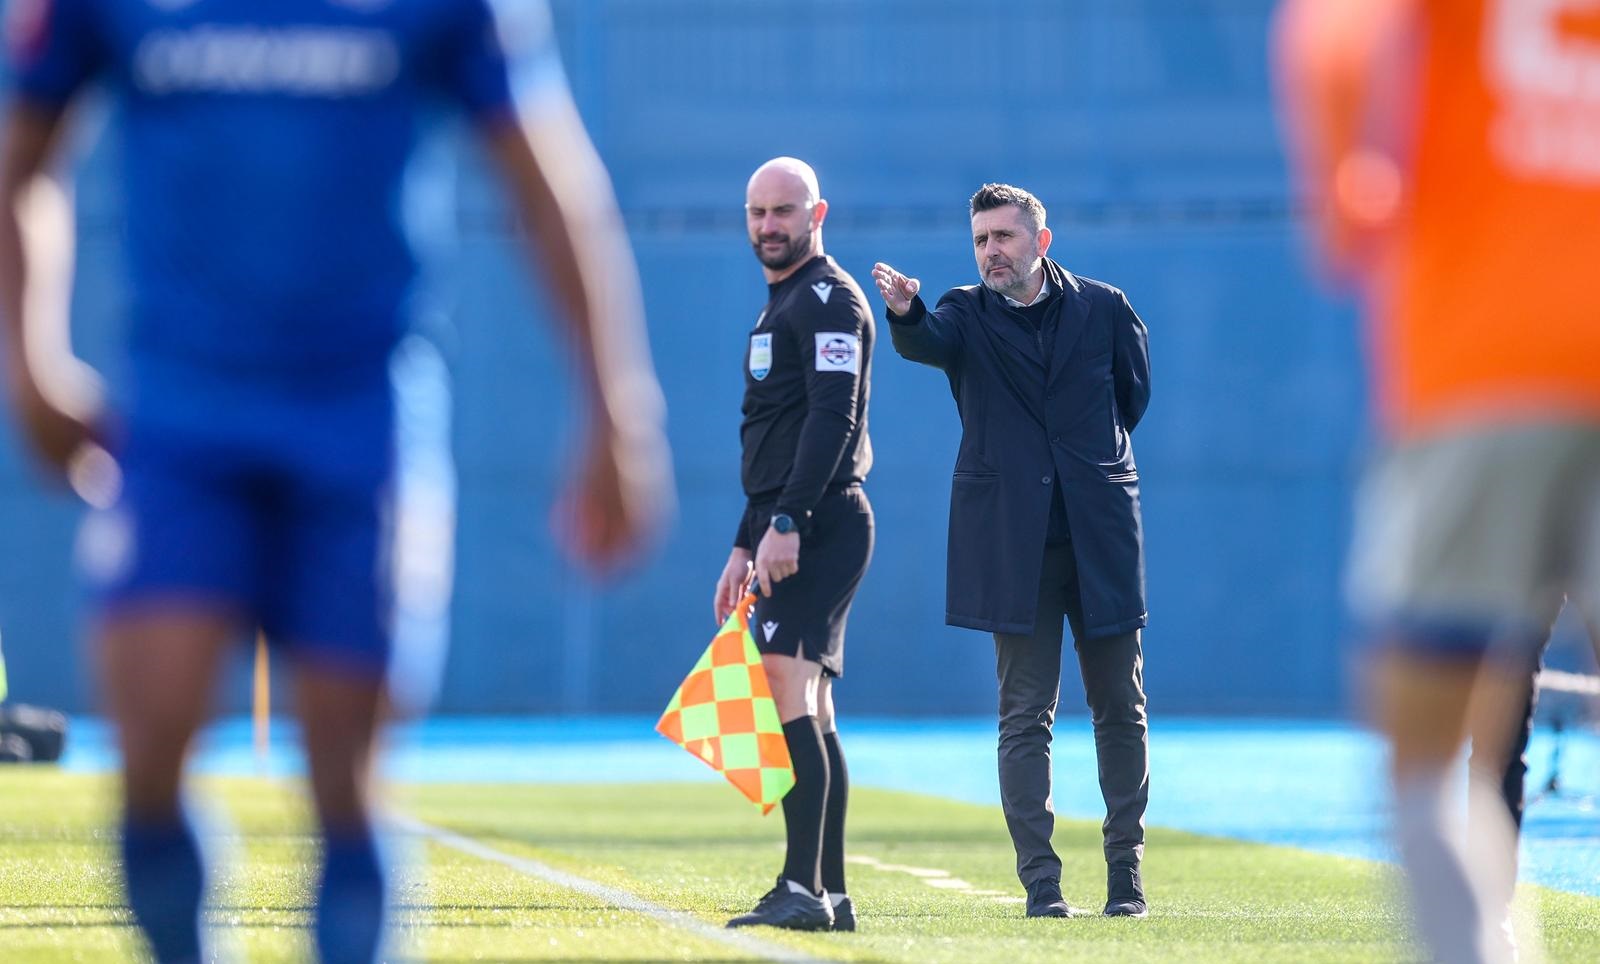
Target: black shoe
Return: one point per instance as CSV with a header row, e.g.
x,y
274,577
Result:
x,y
1124,891
844,915
782,907
1045,900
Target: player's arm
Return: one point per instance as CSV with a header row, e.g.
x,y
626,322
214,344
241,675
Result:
x,y
932,338
561,191
1334,59
54,396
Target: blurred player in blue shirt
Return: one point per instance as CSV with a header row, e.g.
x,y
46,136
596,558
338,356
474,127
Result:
x,y
264,147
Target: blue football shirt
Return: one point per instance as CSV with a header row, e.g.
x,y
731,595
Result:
x,y
264,150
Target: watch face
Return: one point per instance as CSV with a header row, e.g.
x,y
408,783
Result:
x,y
782,524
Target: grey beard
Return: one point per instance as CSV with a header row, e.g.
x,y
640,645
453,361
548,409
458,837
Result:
x,y
1014,291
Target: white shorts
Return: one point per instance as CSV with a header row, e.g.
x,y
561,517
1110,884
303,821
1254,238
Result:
x,y
1472,539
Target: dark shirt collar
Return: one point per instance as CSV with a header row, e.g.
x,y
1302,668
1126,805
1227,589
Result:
x,y
776,286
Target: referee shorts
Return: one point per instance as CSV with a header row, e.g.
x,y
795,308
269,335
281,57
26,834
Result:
x,y
806,613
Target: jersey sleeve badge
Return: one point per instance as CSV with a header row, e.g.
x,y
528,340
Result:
x,y
838,351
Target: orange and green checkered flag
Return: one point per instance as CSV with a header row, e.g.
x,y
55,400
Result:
x,y
724,714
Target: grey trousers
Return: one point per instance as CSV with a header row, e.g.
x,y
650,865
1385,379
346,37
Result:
x,y
1029,672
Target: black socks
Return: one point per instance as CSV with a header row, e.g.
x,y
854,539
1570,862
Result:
x,y
833,825
804,806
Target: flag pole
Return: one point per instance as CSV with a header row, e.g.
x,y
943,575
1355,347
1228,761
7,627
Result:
x,y
261,702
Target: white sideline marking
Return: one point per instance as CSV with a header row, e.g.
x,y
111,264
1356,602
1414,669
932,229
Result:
x,y
1564,682
621,899
934,877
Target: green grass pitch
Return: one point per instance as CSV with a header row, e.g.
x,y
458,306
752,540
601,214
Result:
x,y
936,884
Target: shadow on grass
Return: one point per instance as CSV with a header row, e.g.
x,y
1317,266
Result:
x,y
119,920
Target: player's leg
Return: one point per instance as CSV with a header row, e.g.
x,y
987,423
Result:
x,y
171,565
1500,725
340,712
329,601
833,880
1460,542
156,670
1420,704
1496,759
1028,671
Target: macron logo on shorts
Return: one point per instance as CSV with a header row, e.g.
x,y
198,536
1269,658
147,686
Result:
x,y
769,628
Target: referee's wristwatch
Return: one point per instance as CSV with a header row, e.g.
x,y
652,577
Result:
x,y
783,524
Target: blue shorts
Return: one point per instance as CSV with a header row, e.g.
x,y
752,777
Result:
x,y
270,503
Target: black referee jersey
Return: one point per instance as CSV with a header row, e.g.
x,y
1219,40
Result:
x,y
807,376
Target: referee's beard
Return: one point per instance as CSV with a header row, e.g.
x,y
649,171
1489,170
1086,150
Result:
x,y
793,251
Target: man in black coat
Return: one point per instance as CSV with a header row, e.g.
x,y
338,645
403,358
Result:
x,y
1050,374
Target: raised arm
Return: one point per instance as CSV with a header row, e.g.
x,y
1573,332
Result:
x,y
918,335
622,491
1338,66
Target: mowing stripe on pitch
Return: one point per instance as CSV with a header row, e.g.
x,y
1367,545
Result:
x,y
739,940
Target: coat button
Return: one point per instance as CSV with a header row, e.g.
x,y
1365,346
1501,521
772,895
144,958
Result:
x,y
1045,480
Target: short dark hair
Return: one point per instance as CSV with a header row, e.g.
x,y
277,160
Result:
x,y
992,196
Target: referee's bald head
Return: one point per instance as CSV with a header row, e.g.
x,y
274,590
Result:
x,y
784,211
786,172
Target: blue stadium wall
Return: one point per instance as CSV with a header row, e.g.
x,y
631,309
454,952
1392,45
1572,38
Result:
x,y
1144,125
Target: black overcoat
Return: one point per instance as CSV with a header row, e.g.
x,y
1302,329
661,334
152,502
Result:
x,y
1025,423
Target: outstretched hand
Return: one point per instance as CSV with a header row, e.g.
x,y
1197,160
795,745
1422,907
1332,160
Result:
x,y
897,290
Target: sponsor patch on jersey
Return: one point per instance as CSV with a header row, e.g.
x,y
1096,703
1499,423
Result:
x,y
822,290
302,61
838,351
760,355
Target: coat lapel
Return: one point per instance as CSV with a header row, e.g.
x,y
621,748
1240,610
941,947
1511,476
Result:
x,y
1073,319
1009,326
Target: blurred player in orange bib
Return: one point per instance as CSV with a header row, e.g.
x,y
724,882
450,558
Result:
x,y
1451,150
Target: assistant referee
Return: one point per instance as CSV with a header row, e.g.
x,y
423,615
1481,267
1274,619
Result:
x,y
805,456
